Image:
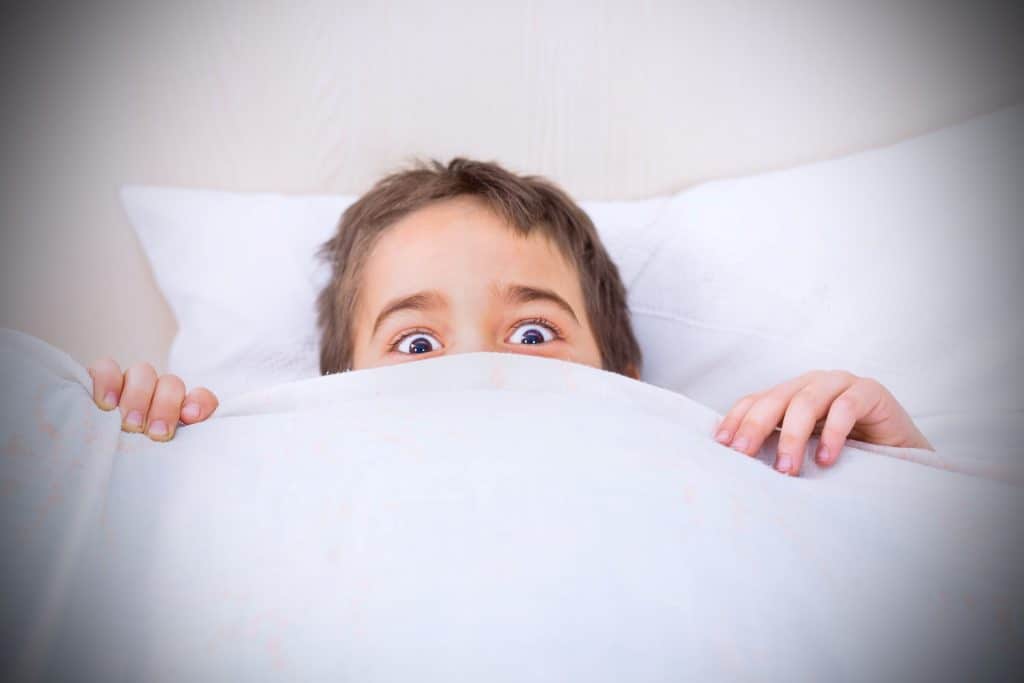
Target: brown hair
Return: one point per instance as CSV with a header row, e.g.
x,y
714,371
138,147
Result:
x,y
528,203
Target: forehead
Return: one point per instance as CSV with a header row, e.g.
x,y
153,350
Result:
x,y
457,245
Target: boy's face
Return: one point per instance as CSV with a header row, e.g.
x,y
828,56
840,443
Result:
x,y
452,277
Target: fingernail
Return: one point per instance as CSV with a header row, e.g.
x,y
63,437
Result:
x,y
783,464
191,411
722,436
741,444
110,400
822,456
158,428
133,420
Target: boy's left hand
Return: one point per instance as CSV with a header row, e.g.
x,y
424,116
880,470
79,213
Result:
x,y
851,406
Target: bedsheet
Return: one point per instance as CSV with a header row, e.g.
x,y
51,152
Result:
x,y
483,517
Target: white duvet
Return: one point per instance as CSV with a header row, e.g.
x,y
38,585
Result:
x,y
484,517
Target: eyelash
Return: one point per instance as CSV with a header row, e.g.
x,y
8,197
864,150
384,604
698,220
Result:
x,y
393,344
539,321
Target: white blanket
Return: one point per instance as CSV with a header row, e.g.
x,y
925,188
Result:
x,y
483,517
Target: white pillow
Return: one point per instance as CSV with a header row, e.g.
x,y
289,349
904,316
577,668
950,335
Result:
x,y
901,263
240,273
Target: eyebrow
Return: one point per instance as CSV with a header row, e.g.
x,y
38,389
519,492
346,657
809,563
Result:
x,y
523,294
427,300
431,300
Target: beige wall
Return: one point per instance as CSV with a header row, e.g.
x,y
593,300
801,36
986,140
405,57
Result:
x,y
614,100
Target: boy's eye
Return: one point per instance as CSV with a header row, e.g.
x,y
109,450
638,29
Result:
x,y
417,342
532,333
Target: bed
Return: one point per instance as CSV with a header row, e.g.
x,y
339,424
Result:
x,y
863,159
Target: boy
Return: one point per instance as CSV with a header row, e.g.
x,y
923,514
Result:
x,y
470,257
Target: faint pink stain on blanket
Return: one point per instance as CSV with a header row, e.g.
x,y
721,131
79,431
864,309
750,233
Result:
x,y
15,447
42,423
497,378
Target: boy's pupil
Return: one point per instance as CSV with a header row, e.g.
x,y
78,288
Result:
x,y
420,345
532,337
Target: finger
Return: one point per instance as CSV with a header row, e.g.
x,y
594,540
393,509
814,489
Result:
x,y
107,382
139,382
199,405
165,408
808,405
731,421
765,414
844,413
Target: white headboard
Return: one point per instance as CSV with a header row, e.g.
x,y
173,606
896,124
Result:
x,y
610,99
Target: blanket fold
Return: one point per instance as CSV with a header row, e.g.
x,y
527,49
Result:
x,y
483,516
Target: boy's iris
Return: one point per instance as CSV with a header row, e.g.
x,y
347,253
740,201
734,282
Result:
x,y
532,337
420,345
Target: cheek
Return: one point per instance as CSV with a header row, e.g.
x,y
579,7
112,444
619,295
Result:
x,y
583,350
362,354
376,363
364,360
589,353
366,355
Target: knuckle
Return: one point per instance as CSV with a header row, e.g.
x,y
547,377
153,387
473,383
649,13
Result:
x,y
805,400
845,404
105,370
871,384
775,404
844,375
146,368
731,421
746,400
756,424
141,371
739,408
172,384
814,375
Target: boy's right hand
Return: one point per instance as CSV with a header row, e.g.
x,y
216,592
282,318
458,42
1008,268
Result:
x,y
148,403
